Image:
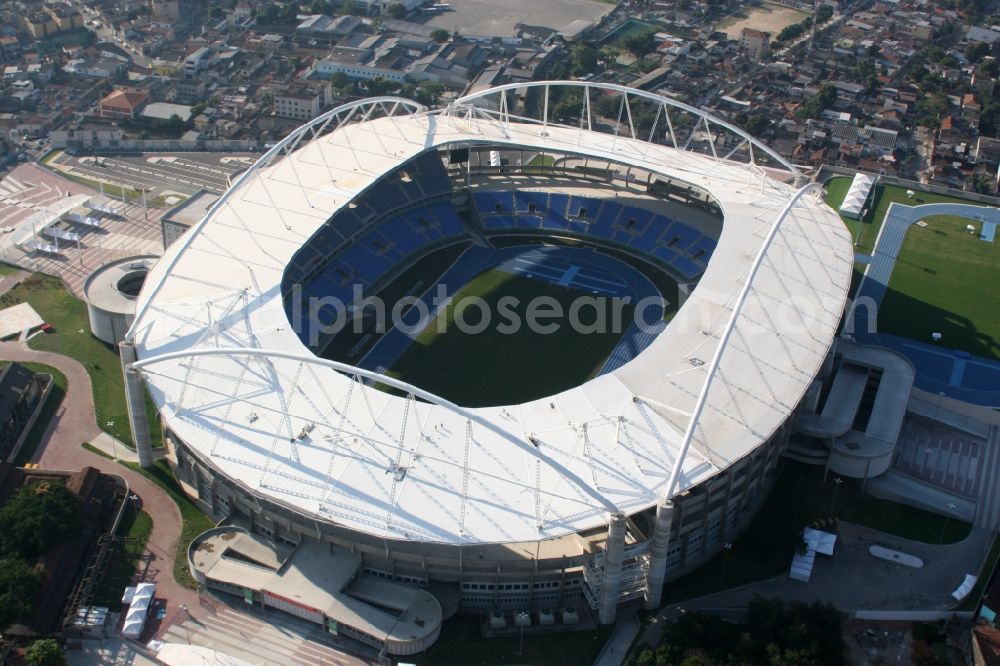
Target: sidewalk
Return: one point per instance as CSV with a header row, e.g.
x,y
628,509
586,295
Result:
x,y
626,629
113,448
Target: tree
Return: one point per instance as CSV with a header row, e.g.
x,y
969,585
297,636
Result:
x,y
19,587
429,92
440,35
381,86
396,11
982,184
217,13
339,80
583,59
976,51
45,652
754,123
641,43
814,106
39,517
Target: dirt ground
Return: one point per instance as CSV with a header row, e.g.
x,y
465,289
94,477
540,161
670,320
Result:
x,y
766,18
489,17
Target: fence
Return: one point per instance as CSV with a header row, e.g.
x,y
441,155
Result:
x,y
826,172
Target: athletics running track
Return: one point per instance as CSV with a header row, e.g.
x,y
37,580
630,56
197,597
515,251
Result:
x,y
954,373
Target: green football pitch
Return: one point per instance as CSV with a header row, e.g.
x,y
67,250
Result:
x,y
944,281
506,364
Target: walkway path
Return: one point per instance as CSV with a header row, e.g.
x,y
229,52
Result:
x,y
626,629
7,283
73,424
988,507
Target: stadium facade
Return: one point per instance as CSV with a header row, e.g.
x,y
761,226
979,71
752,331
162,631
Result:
x,y
594,496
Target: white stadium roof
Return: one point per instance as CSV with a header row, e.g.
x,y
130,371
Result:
x,y
406,469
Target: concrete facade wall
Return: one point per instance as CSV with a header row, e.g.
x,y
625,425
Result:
x,y
492,577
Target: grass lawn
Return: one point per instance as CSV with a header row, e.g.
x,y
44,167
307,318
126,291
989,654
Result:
x,y
884,195
68,316
7,269
125,559
539,164
945,281
462,645
49,410
511,367
194,521
799,498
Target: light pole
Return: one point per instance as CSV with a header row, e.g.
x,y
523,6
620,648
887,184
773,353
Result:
x,y
836,486
944,528
187,630
937,409
114,441
726,547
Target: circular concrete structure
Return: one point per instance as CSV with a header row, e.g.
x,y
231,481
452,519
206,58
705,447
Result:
x,y
111,292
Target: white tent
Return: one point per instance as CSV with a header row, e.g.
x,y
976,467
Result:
x,y
817,541
820,541
133,628
857,195
802,566
966,587
138,610
145,590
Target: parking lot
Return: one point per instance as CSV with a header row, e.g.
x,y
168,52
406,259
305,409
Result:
x,y
30,190
159,174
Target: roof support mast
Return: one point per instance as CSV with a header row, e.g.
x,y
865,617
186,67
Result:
x,y
664,508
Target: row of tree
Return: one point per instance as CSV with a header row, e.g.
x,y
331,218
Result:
x,y
426,92
38,518
796,30
774,633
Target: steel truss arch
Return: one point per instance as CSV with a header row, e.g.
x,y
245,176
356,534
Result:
x,y
346,369
387,104
504,115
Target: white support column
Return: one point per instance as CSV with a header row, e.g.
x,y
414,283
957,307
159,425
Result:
x,y
658,553
614,554
136,405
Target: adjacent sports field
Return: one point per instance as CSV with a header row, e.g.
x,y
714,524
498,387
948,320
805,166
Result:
x,y
865,233
507,365
884,195
945,280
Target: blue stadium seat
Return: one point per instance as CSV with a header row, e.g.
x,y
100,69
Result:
x,y
686,267
664,254
587,204
558,205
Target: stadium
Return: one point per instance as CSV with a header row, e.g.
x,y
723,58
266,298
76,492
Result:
x,y
536,473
